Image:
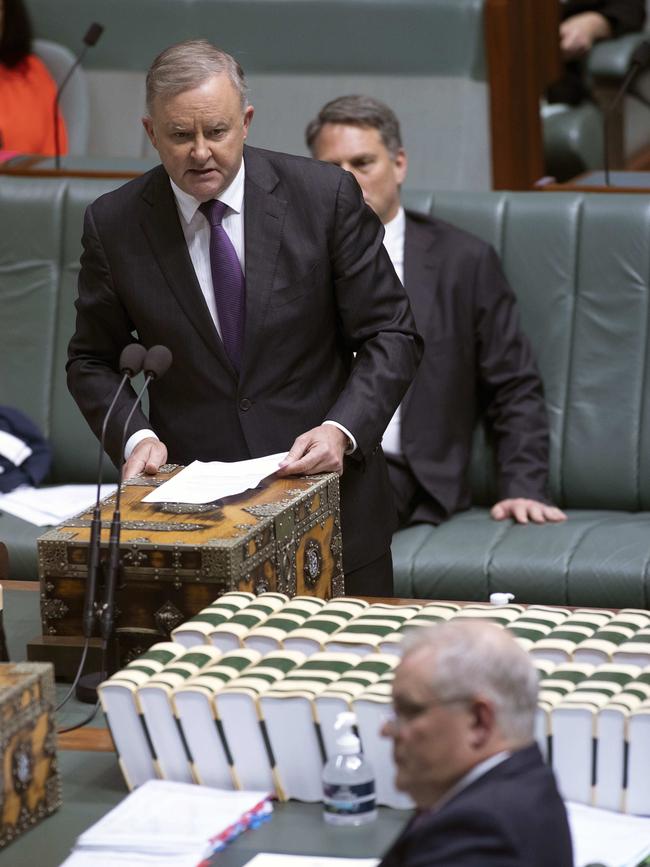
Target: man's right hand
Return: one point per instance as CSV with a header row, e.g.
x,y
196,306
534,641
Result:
x,y
147,457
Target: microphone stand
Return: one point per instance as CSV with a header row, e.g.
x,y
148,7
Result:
x,y
639,61
107,611
92,36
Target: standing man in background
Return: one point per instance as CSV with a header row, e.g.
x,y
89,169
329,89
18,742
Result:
x,y
477,362
266,276
464,703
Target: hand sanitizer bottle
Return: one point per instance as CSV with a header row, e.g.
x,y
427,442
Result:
x,y
348,779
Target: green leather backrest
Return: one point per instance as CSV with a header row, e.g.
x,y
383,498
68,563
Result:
x,y
40,245
580,266
408,37
425,58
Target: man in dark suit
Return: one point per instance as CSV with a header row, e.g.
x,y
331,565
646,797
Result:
x,y
266,277
477,362
464,700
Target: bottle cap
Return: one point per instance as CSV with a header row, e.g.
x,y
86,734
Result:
x,y
501,598
347,743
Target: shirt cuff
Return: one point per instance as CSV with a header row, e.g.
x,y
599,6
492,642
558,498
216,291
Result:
x,y
352,443
134,439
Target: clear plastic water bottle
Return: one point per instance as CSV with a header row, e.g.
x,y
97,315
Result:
x,y
348,779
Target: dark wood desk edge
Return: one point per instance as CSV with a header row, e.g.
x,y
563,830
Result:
x,y
579,188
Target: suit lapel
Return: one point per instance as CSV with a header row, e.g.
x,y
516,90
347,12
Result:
x,y
420,269
162,227
264,216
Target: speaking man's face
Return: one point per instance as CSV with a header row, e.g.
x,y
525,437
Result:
x,y
361,151
199,135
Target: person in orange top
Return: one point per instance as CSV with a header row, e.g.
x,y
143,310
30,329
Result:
x,y
27,90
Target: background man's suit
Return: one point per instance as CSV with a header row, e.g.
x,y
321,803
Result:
x,y
512,816
319,287
476,362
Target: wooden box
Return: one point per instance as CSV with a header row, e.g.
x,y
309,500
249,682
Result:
x,y
30,788
177,558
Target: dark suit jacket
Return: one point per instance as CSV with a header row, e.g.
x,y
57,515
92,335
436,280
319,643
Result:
x,y
319,287
512,816
477,363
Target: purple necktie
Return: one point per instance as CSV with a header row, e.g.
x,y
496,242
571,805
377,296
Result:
x,y
228,282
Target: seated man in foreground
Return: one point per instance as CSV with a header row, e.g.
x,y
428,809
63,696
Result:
x,y
477,362
464,699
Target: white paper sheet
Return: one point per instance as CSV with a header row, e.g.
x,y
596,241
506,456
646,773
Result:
x,y
168,818
606,837
95,858
203,482
46,506
267,859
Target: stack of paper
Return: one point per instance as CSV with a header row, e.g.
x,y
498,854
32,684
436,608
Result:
x,y
51,506
175,823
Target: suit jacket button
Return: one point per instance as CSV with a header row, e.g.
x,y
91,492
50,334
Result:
x,y
245,404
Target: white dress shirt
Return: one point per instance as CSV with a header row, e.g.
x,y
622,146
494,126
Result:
x,y
394,244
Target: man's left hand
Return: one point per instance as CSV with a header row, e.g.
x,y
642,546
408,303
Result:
x,y
523,511
319,450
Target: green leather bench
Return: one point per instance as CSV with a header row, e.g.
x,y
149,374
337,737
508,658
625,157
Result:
x,y
580,265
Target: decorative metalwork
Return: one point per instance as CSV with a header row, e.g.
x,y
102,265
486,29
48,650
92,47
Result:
x,y
134,557
267,510
53,557
244,527
168,617
286,562
168,468
215,562
154,526
192,508
336,547
53,609
262,584
313,563
22,766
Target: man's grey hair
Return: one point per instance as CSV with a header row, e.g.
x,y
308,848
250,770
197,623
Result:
x,y
472,658
187,65
362,111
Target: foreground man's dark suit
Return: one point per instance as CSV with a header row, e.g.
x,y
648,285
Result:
x,y
319,287
476,363
512,816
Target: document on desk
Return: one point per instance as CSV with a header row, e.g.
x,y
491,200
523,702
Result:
x,y
268,859
170,825
206,481
607,838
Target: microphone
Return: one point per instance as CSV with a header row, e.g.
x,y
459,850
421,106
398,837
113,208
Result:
x,y
156,364
638,62
91,38
131,363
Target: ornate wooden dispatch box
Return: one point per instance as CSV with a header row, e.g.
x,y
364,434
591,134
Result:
x,y
30,788
177,558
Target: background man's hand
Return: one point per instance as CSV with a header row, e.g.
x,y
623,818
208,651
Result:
x,y
319,450
523,511
146,457
579,32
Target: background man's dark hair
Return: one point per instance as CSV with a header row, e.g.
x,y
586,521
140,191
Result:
x,y
363,111
15,33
